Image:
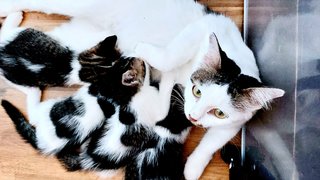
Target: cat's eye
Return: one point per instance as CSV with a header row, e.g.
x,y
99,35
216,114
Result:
x,y
196,92
218,113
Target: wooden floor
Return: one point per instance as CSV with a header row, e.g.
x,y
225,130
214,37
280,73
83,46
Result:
x,y
19,161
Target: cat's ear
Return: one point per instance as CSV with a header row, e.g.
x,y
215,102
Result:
x,y
261,97
212,57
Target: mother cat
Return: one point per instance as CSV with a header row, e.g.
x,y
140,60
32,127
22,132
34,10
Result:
x,y
223,88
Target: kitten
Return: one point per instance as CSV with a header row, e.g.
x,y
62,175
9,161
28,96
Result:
x,y
134,21
34,59
150,150
62,124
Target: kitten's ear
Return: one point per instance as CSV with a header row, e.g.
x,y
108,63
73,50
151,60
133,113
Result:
x,y
130,78
103,54
261,97
213,56
109,42
135,75
106,46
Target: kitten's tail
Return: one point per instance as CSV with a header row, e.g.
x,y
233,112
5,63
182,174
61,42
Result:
x,y
25,129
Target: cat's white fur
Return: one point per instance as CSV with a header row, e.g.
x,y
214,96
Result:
x,y
157,22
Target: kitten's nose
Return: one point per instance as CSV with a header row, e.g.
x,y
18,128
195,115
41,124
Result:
x,y
192,119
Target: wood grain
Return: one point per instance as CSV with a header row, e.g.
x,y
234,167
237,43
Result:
x,y
230,8
19,161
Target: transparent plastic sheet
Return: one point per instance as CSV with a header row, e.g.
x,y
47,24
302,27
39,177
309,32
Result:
x,y
285,38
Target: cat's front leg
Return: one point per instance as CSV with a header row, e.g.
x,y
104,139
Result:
x,y
183,48
165,89
154,55
213,140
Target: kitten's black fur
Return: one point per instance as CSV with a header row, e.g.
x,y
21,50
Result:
x,y
32,48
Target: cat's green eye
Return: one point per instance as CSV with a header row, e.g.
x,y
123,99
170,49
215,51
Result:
x,y
218,113
196,92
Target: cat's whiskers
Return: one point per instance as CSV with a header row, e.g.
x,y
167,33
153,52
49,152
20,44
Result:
x,y
178,97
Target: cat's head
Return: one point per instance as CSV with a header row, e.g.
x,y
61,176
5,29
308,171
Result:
x,y
219,95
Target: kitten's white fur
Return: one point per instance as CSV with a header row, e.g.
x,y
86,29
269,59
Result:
x,y
10,30
157,22
39,116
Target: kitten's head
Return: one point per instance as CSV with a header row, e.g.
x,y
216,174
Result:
x,y
111,74
219,95
94,60
122,80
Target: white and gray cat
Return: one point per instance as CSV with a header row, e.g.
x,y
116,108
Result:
x,y
222,85
221,95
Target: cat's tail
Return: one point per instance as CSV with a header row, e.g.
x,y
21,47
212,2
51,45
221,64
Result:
x,y
22,126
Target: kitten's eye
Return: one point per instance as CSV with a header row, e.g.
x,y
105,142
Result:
x,y
196,92
218,113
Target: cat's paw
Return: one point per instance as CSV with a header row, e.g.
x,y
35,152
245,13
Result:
x,y
195,166
151,54
191,172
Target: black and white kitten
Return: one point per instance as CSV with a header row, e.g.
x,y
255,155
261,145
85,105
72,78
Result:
x,y
63,124
146,149
31,58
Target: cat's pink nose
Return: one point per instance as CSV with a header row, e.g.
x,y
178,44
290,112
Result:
x,y
192,119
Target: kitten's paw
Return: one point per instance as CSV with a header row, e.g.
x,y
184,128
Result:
x,y
13,19
7,7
